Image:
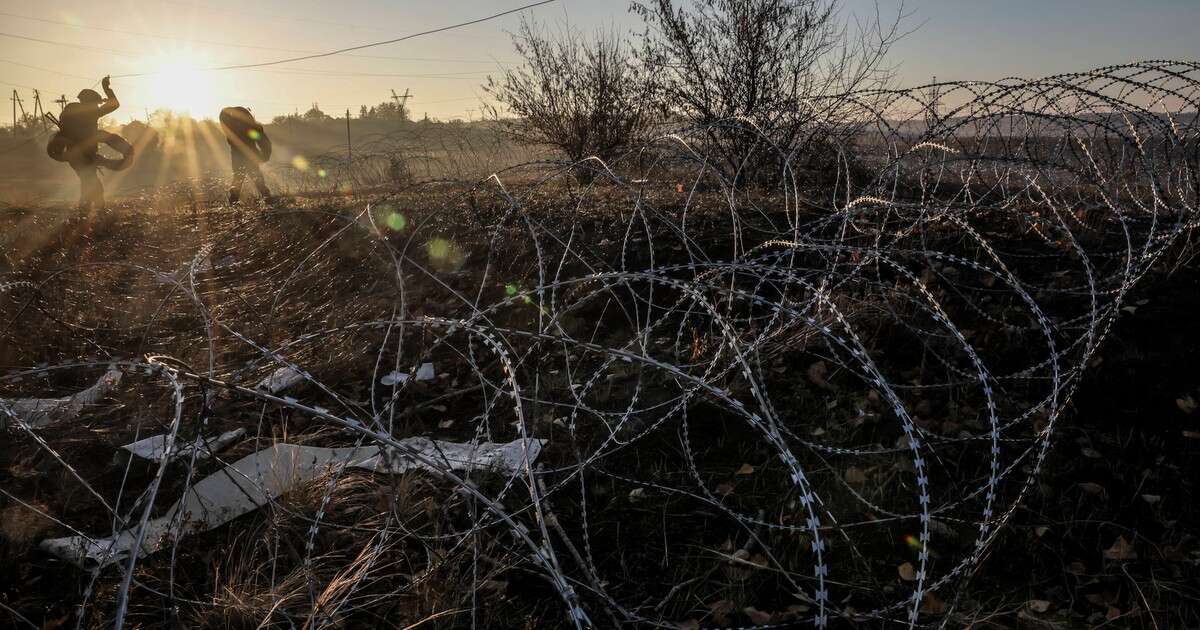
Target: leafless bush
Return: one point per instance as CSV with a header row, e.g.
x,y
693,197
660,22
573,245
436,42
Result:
x,y
584,97
773,63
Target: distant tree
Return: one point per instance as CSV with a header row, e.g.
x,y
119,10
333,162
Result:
x,y
582,96
316,115
730,66
391,111
384,111
27,124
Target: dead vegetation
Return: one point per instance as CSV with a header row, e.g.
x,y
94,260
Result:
x,y
786,405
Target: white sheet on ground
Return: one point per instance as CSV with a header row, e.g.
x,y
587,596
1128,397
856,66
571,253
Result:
x,y
424,373
152,448
40,412
257,479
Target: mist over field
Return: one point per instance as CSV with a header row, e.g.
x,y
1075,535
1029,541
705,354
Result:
x,y
182,152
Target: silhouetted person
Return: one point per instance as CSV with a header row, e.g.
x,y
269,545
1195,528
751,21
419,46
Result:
x,y
78,139
249,146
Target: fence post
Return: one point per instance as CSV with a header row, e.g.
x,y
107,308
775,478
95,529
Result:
x,y
349,149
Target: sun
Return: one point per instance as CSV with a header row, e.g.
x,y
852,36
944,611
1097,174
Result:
x,y
181,82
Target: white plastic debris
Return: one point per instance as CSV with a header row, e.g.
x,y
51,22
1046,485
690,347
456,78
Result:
x,y
40,412
257,479
281,379
424,373
153,447
487,456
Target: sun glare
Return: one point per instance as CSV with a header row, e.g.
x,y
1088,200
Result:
x,y
181,84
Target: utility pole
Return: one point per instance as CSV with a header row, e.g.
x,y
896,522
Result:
x,y
37,108
933,115
62,103
937,97
402,102
16,100
349,148
20,105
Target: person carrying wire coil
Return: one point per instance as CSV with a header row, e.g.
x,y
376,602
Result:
x,y
249,146
78,139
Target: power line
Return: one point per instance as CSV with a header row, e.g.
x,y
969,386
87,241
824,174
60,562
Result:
x,y
19,85
291,59
41,69
461,76
270,16
22,86
448,100
340,51
215,43
473,75
39,40
150,35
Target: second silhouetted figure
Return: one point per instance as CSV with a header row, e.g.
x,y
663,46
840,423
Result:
x,y
249,146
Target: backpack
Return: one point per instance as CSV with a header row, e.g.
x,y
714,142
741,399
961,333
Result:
x,y
239,125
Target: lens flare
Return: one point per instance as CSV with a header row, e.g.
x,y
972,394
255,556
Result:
x,y
179,82
439,248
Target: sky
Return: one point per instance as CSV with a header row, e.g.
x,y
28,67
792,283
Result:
x,y
172,43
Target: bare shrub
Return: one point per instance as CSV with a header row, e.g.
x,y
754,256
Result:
x,y
777,64
582,96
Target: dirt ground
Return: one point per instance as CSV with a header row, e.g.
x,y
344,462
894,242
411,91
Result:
x,y
1109,536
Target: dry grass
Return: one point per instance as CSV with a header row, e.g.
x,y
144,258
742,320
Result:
x,y
21,527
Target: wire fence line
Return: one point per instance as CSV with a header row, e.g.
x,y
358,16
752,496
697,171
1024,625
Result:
x,y
728,385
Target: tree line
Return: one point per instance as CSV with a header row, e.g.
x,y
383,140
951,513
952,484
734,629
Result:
x,y
383,111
